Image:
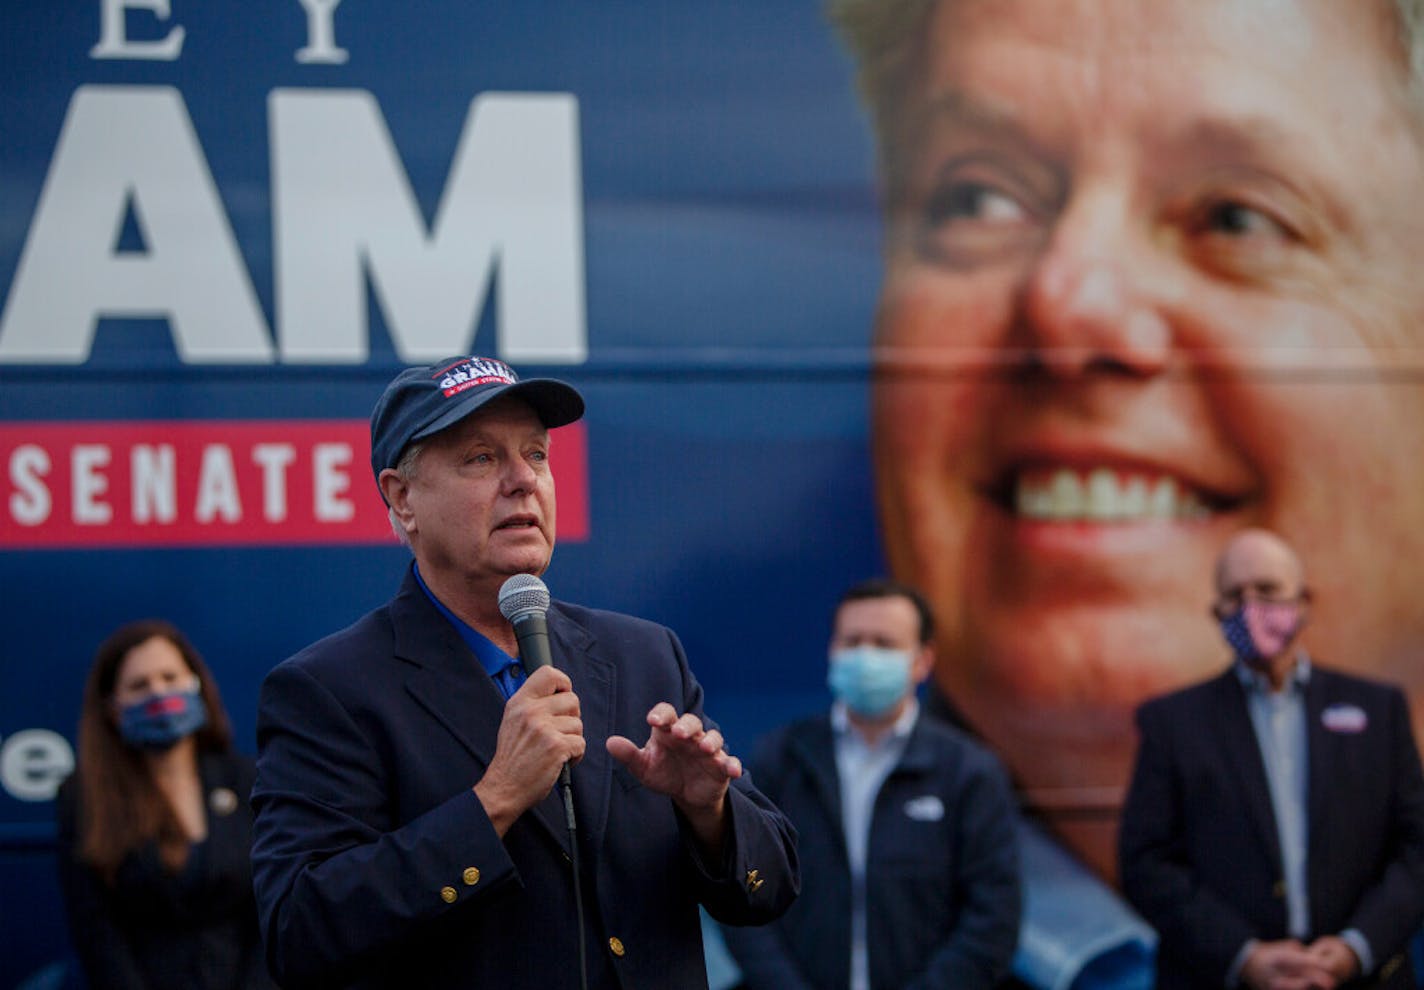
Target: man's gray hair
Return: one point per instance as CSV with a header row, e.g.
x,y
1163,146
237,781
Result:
x,y
881,35
1411,33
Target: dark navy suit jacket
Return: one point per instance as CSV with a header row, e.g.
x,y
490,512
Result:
x,y
375,864
1199,852
942,887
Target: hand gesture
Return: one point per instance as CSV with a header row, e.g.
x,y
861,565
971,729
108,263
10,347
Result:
x,y
685,762
541,731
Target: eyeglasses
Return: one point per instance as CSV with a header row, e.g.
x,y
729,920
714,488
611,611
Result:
x,y
1233,598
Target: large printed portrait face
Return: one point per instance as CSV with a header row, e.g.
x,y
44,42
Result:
x,y
1154,273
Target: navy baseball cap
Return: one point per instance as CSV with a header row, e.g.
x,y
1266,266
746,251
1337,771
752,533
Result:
x,y
420,402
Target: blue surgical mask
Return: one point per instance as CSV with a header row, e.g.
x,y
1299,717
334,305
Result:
x,y
160,720
869,680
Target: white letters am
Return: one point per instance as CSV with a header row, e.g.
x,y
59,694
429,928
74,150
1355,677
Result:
x,y
510,216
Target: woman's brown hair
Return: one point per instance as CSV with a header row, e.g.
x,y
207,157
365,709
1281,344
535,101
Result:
x,y
120,807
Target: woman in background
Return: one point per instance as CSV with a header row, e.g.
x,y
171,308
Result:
x,y
155,826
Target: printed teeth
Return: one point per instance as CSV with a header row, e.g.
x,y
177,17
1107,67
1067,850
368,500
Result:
x,y
1102,495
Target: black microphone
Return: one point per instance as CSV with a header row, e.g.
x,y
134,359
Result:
x,y
524,601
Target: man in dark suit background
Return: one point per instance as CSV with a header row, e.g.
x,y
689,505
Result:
x,y
1274,829
406,834
910,862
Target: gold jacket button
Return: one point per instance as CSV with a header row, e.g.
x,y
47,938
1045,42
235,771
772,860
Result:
x,y
1279,890
448,895
616,945
471,876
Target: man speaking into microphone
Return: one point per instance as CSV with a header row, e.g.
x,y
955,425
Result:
x,y
408,832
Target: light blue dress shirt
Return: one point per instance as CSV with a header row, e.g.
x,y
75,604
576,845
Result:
x,y
1280,722
862,768
1077,933
1278,718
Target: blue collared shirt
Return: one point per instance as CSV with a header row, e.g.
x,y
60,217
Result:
x,y
1278,718
862,768
1076,933
503,669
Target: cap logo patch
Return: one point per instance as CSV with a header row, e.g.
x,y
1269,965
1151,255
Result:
x,y
477,371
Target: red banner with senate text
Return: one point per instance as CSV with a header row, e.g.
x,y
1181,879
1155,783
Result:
x,y
216,483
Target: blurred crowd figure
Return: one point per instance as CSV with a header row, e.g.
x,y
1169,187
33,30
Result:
x,y
909,858
155,828
1274,829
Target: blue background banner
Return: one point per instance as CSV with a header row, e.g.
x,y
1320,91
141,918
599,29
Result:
x,y
730,261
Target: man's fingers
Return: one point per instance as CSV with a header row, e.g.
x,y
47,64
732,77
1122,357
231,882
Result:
x,y
729,765
568,725
662,715
621,748
687,727
538,698
563,703
577,745
546,681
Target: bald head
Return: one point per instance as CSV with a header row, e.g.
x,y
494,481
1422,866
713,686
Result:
x,y
1257,562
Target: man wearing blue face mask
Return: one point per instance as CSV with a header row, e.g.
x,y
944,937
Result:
x,y
1274,829
909,862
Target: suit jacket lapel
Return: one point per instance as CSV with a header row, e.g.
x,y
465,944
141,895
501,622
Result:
x,y
447,680
1242,752
595,678
443,675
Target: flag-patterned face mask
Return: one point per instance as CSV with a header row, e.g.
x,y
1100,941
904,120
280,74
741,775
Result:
x,y
160,720
1260,630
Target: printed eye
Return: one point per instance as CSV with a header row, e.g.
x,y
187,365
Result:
x,y
1245,237
974,201
972,219
1239,220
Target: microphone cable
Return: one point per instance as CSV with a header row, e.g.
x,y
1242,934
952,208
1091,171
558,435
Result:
x,y
566,785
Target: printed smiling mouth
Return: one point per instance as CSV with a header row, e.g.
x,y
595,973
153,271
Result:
x,y
1104,495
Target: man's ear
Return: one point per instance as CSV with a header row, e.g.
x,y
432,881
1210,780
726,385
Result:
x,y
922,663
395,488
